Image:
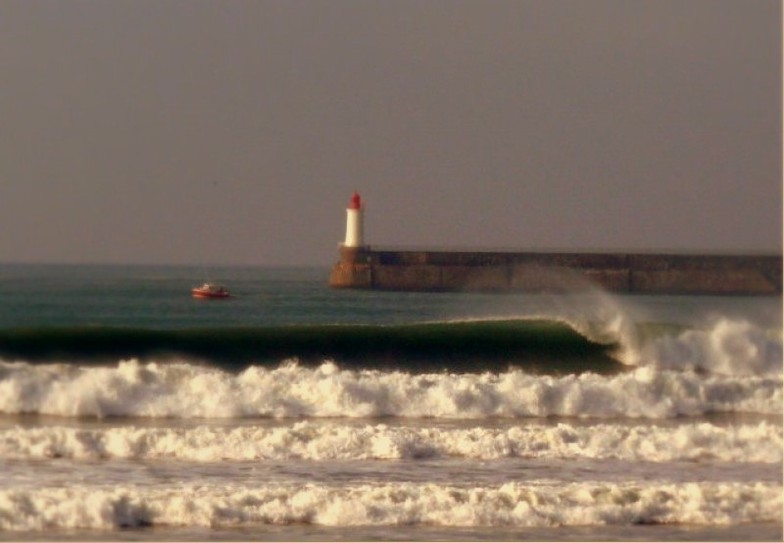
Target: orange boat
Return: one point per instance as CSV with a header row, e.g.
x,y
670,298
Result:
x,y
210,290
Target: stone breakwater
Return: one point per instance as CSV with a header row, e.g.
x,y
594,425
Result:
x,y
638,273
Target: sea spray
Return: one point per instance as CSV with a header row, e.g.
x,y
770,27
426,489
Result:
x,y
596,314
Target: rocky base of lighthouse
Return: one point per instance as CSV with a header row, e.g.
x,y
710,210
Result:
x,y
352,270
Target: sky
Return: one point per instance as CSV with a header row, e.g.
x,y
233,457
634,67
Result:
x,y
235,131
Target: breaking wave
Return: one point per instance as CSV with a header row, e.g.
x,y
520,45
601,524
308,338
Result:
x,y
311,441
185,390
390,504
468,346
728,347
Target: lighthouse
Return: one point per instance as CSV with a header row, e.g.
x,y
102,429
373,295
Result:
x,y
353,270
354,222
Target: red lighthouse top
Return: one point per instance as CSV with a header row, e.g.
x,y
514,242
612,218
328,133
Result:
x,y
355,202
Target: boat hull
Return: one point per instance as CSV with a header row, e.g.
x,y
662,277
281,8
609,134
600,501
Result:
x,y
210,291
208,295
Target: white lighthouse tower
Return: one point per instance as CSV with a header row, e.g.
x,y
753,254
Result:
x,y
354,222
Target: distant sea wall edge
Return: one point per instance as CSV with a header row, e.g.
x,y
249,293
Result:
x,y
637,273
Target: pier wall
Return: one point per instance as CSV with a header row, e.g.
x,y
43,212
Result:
x,y
411,270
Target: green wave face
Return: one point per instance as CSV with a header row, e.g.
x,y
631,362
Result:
x,y
541,346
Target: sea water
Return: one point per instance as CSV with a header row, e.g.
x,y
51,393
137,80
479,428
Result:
x,y
129,410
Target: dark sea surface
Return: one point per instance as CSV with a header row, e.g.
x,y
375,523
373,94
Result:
x,y
291,411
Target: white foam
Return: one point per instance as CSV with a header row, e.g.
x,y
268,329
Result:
x,y
324,441
410,504
730,347
187,390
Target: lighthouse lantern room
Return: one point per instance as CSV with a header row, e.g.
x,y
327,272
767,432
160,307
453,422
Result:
x,y
354,222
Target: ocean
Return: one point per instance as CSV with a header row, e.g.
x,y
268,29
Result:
x,y
131,411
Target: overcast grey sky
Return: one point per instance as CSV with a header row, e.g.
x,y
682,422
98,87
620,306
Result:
x,y
188,131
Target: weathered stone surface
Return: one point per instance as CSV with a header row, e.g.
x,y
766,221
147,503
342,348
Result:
x,y
475,277
533,272
701,281
350,275
411,277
